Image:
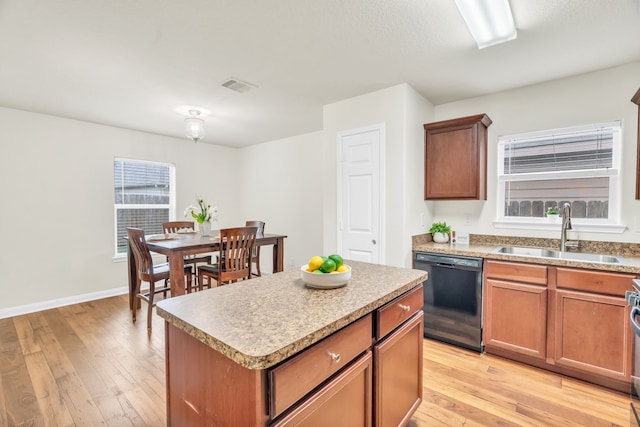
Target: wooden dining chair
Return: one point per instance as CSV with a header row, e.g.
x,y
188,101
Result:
x,y
177,226
255,256
236,247
148,272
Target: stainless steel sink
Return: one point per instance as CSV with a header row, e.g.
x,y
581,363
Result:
x,y
553,254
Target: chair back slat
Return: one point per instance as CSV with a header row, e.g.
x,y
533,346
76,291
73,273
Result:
x,y
237,245
260,233
175,226
141,253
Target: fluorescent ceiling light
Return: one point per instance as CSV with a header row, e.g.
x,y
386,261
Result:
x,y
490,21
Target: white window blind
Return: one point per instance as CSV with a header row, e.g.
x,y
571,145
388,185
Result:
x,y
144,197
583,150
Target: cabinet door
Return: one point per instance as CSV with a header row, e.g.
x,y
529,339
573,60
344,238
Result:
x,y
592,334
515,318
398,374
456,158
343,402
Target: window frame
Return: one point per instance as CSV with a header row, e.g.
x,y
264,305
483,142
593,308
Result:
x,y
171,206
612,224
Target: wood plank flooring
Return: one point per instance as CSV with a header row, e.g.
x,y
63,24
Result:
x,y
88,365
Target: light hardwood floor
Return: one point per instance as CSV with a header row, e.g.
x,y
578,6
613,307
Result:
x,y
88,365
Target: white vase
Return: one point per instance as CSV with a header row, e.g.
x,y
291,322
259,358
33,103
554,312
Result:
x,y
440,237
553,218
205,228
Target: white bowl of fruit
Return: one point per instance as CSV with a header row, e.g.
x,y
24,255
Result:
x,y
325,272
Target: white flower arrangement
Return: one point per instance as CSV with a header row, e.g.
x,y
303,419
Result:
x,y
206,213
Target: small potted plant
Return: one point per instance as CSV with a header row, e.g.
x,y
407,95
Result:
x,y
553,213
440,232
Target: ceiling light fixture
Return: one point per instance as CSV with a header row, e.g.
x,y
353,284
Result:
x,y
194,126
490,21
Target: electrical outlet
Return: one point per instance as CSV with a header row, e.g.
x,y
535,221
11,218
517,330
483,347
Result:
x,y
462,237
467,219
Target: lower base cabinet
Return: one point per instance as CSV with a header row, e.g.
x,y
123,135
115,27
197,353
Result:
x,y
512,308
567,320
592,334
368,373
398,373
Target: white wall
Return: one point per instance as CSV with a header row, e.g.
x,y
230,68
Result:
x,y
57,180
282,186
402,111
57,201
588,98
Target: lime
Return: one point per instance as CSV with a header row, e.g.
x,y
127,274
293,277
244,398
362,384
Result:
x,y
317,272
315,263
328,266
337,259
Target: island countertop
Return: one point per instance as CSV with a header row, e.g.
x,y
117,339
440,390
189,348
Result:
x,y
260,322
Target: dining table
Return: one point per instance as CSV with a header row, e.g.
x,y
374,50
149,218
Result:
x,y
176,246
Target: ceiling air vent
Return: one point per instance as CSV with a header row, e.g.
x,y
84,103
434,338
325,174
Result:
x,y
238,85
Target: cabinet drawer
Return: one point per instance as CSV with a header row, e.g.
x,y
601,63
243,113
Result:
x,y
343,401
392,314
594,281
527,273
305,371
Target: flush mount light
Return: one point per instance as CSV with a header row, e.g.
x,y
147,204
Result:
x,y
194,126
490,21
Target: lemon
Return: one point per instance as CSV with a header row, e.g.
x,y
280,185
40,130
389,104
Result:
x,y
328,266
315,263
342,269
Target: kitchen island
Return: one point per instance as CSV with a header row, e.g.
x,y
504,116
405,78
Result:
x,y
272,351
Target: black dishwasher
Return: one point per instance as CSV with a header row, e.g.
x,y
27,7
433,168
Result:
x,y
452,298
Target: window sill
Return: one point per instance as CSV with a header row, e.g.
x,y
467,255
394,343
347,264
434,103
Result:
x,y
544,224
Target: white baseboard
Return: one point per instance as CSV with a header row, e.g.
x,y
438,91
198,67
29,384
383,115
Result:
x,y
46,305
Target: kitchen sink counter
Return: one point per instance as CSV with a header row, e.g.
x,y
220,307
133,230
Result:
x,y
486,247
261,322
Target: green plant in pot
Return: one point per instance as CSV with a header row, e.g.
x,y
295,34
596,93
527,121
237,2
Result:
x,y
552,211
440,232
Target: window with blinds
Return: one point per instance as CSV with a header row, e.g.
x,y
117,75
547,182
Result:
x,y
144,197
545,169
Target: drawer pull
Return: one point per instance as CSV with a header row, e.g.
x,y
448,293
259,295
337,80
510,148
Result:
x,y
405,307
335,356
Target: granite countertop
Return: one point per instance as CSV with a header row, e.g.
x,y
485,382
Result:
x,y
486,246
260,322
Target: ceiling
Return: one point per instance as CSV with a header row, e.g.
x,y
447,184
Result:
x,y
131,63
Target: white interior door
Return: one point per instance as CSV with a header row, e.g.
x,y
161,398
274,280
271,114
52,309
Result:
x,y
360,194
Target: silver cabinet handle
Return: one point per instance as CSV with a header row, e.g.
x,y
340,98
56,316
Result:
x,y
335,356
373,241
405,307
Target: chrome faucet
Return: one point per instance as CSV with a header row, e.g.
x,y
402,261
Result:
x,y
566,225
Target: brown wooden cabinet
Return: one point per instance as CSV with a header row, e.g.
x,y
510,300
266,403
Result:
x,y
515,307
456,158
367,373
397,356
592,333
568,320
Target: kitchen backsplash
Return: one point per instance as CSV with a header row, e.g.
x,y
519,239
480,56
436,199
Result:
x,y
614,248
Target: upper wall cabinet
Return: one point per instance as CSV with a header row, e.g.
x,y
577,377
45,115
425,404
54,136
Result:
x,y
456,159
636,100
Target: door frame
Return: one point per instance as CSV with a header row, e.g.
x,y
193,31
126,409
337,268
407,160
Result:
x,y
380,127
